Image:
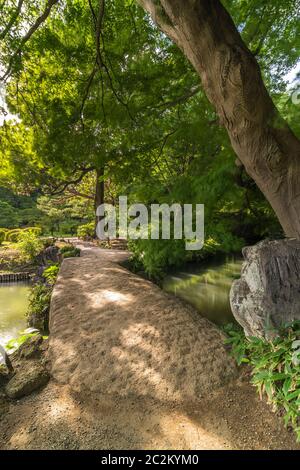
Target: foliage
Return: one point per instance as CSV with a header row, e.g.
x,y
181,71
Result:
x,y
69,251
156,257
17,210
39,305
50,273
61,215
12,235
2,236
56,215
142,115
15,343
86,231
15,235
275,368
29,245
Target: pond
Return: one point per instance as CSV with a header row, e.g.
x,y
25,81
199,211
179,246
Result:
x,y
207,287
13,306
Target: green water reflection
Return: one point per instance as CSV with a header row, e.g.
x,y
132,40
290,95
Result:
x,y
207,287
13,306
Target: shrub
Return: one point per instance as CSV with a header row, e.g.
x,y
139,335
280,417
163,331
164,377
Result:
x,y
29,245
86,231
50,273
39,306
47,242
69,252
156,256
275,368
12,235
65,248
36,230
2,236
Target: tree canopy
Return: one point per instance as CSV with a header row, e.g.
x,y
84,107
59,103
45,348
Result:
x,y
103,96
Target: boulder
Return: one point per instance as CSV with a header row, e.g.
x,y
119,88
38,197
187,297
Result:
x,y
31,347
29,378
267,295
49,254
4,375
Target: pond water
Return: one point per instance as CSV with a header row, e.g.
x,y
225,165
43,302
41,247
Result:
x,y
13,306
207,287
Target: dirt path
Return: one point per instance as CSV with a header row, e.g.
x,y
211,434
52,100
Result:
x,y
135,368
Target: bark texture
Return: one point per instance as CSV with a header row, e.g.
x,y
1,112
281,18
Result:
x,y
267,295
99,193
232,80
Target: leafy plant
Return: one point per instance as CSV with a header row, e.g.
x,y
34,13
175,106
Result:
x,y
275,368
2,236
29,245
69,251
65,249
86,231
39,306
50,273
15,343
12,235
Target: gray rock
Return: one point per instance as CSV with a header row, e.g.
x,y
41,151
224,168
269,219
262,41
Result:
x,y
4,375
31,347
29,378
268,293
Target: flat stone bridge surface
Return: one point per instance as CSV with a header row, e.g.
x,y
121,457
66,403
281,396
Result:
x,y
135,368
114,332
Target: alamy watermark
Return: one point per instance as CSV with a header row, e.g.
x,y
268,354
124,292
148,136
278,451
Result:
x,y
295,96
157,221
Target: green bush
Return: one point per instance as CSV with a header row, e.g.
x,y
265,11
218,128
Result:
x,y
156,257
66,248
12,235
275,368
2,236
36,230
47,242
39,306
50,273
86,231
69,252
29,245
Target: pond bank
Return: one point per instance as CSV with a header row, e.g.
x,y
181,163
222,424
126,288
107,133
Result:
x,y
135,368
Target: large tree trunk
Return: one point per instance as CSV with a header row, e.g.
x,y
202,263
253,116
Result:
x,y
232,80
99,192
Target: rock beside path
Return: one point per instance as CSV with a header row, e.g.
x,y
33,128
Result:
x,y
32,347
29,378
268,293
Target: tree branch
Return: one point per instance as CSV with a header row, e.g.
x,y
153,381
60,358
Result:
x,y
12,20
64,185
40,20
